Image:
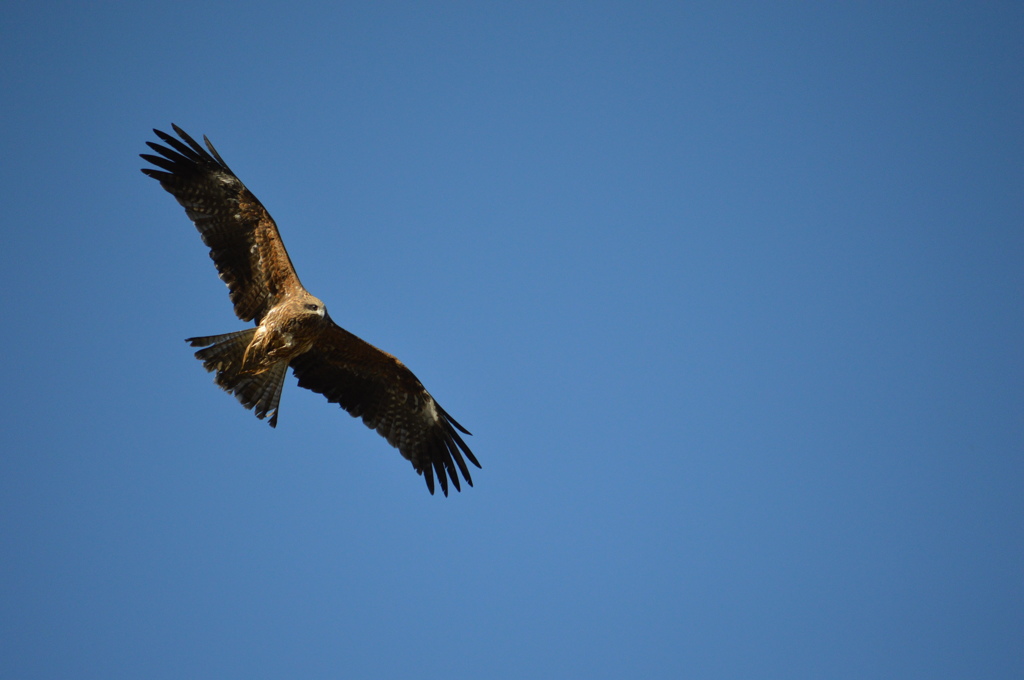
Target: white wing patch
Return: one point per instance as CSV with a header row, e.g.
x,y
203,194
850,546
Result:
x,y
430,412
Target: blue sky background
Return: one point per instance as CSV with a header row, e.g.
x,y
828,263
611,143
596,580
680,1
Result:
x,y
730,295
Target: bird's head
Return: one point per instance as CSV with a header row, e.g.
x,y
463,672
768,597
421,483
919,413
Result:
x,y
312,305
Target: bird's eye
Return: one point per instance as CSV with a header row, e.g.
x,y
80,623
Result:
x,y
312,307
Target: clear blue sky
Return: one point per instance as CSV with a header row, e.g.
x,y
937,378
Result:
x,y
730,295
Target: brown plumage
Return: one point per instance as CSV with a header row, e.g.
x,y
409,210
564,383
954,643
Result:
x,y
293,327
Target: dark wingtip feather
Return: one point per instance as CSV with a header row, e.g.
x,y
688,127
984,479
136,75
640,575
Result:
x,y
156,174
187,152
184,135
428,475
213,151
461,444
459,460
442,475
160,162
453,473
183,150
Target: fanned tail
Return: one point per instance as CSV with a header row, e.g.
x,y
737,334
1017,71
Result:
x,y
223,355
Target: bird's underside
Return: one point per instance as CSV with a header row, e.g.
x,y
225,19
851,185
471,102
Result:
x,y
293,328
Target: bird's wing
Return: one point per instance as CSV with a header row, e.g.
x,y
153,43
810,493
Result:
x,y
372,384
243,239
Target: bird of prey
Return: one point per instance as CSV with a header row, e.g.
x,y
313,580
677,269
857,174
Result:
x,y
293,328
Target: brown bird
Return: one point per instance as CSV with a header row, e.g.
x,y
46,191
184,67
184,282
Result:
x,y
292,326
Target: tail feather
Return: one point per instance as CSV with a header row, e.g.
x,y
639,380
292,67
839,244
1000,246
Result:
x,y
223,355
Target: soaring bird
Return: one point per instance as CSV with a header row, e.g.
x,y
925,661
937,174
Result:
x,y
293,328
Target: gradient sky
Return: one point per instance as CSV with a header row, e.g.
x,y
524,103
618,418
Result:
x,y
730,295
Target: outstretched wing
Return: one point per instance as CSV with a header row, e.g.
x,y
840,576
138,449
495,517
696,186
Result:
x,y
243,239
372,384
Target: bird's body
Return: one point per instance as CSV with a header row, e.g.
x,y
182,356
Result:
x,y
290,328
293,328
